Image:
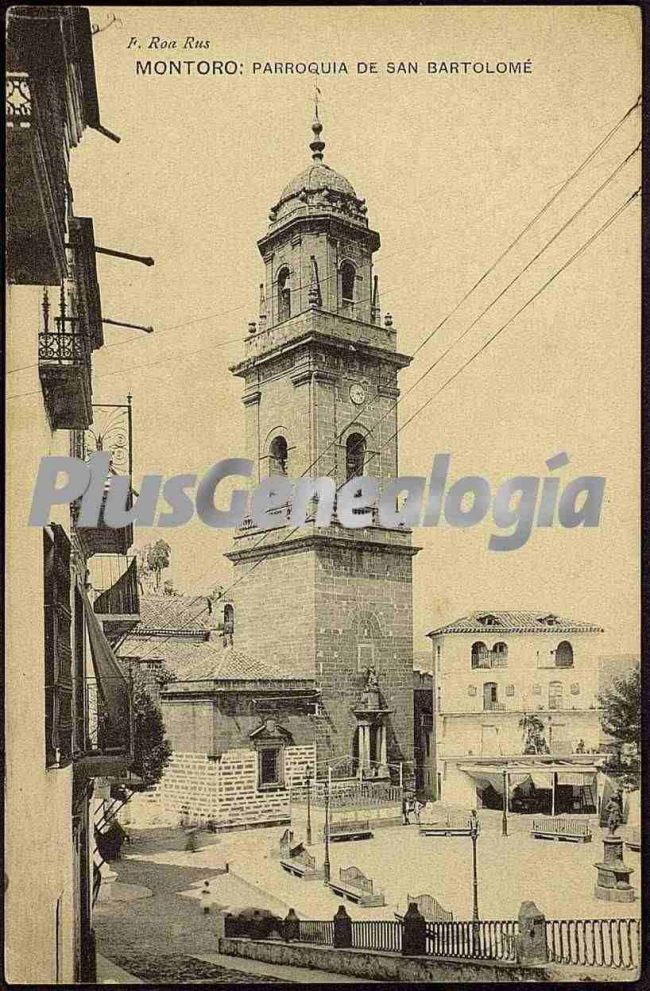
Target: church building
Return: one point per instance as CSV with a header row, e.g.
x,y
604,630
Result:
x,y
325,609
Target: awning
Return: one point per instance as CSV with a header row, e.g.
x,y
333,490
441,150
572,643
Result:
x,y
576,778
540,774
114,731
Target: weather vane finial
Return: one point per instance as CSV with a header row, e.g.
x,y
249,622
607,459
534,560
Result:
x,y
317,146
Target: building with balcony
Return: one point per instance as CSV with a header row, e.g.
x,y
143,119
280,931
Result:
x,y
68,713
516,699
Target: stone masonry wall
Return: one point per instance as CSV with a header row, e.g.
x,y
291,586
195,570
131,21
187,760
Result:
x,y
226,789
359,591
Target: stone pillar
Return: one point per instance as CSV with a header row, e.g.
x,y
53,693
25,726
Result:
x,y
364,745
342,929
414,932
383,760
531,941
613,882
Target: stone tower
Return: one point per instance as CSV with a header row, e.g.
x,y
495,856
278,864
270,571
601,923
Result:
x,y
320,374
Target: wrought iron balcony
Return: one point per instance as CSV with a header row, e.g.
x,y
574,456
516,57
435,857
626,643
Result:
x,y
37,175
111,431
118,603
65,372
103,539
494,707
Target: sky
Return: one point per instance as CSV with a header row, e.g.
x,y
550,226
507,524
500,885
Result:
x,y
452,168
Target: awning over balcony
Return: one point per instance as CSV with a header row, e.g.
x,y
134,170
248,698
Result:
x,y
114,731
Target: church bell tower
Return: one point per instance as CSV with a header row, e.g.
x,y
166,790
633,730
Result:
x,y
320,382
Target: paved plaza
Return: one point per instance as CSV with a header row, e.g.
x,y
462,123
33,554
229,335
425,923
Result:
x,y
558,876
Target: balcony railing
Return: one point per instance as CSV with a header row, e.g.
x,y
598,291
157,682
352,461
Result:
x,y
65,371
117,605
37,172
494,707
103,539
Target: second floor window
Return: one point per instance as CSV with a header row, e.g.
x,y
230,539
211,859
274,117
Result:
x,y
228,619
564,655
480,655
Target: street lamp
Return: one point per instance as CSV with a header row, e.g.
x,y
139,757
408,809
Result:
x,y
308,782
326,862
474,830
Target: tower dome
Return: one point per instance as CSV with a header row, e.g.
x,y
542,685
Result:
x,y
318,189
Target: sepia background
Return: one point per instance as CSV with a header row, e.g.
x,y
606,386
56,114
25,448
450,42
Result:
x,y
452,167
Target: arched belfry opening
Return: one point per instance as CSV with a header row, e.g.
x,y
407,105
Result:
x,y
355,455
284,295
348,283
278,456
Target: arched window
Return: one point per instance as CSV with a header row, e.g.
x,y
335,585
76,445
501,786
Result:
x,y
278,454
480,655
355,455
564,655
555,691
228,619
284,295
348,276
500,655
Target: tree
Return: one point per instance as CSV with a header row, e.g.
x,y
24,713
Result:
x,y
534,734
151,748
620,719
158,558
152,560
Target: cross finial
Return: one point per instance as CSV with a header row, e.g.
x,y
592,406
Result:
x,y
317,146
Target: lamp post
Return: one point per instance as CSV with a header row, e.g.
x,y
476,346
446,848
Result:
x,y
326,861
474,830
308,782
504,821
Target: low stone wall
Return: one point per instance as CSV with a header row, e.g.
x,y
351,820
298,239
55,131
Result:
x,y
379,966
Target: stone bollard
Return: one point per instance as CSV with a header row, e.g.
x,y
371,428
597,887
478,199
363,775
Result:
x,y
342,929
531,941
414,932
291,927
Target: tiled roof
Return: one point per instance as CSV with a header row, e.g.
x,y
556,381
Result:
x,y
175,612
516,621
207,660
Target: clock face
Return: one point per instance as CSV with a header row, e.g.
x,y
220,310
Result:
x,y
357,394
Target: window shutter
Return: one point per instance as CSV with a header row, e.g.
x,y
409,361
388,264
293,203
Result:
x,y
58,646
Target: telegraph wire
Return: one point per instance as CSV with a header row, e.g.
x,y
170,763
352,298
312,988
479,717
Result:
x,y
544,248
426,340
487,272
545,285
566,264
449,348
